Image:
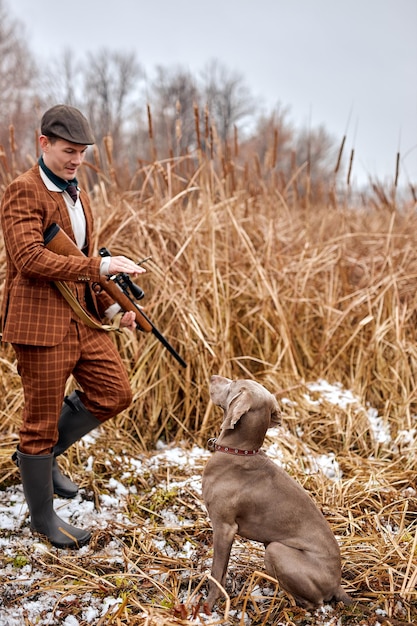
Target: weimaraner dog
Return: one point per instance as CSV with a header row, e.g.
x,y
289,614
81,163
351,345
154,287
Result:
x,y
247,494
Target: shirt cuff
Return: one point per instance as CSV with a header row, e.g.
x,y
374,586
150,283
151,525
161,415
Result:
x,y
104,266
112,310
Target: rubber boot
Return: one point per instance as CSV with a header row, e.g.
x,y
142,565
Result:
x,y
36,474
75,421
63,486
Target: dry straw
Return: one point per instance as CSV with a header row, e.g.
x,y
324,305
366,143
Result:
x,y
248,278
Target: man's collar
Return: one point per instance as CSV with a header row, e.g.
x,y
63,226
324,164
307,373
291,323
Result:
x,y
59,182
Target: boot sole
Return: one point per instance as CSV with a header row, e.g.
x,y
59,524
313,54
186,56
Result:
x,y
65,494
70,546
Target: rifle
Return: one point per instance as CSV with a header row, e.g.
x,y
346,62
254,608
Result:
x,y
119,287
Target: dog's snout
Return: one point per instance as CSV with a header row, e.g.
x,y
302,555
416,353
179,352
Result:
x,y
276,418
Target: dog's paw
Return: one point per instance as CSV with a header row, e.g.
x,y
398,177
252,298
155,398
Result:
x,y
200,608
180,611
206,609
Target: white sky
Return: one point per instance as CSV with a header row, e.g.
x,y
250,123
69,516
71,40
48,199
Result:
x,y
350,65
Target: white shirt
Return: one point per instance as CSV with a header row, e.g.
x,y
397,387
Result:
x,y
75,210
77,217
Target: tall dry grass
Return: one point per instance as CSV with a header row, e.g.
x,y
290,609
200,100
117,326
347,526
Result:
x,y
253,277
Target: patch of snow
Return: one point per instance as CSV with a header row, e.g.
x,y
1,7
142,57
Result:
x,y
17,544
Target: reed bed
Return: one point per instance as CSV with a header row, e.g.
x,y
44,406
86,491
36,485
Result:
x,y
249,277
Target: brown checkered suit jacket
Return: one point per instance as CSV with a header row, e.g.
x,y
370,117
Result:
x,y
33,311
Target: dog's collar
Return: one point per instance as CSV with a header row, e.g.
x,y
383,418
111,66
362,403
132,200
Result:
x,y
215,447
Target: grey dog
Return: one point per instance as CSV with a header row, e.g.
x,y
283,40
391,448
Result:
x,y
247,494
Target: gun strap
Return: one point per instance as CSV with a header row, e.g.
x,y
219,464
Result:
x,y
77,308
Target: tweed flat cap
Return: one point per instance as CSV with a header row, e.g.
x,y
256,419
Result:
x,y
68,123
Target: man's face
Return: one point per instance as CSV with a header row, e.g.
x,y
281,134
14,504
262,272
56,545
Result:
x,y
62,157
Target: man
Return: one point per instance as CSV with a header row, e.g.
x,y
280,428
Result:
x,y
50,339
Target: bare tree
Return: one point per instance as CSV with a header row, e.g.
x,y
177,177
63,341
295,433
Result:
x,y
271,140
173,95
317,150
62,82
17,79
228,99
176,95
110,85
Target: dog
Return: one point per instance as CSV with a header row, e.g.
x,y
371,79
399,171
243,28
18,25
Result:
x,y
246,493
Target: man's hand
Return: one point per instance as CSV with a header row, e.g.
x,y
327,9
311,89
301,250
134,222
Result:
x,y
128,321
121,264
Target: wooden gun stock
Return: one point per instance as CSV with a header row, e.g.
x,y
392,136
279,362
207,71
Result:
x,y
56,240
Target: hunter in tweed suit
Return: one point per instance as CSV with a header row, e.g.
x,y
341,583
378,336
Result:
x,y
50,340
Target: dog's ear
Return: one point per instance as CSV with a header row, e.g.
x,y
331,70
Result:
x,y
238,406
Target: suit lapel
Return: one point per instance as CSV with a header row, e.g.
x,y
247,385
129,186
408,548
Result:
x,y
63,212
65,220
88,220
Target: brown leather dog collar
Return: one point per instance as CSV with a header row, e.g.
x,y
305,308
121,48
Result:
x,y
215,447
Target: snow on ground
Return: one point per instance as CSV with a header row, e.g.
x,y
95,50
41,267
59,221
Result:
x,y
22,574
20,571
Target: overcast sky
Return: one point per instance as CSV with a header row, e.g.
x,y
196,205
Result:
x,y
350,65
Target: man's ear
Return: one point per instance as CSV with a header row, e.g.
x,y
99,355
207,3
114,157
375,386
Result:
x,y
44,143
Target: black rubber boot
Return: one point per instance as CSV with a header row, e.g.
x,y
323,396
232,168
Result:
x,y
63,486
74,422
36,474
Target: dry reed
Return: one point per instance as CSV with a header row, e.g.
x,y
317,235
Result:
x,y
248,280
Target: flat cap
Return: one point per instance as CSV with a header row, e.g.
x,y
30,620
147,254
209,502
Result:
x,y
68,123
